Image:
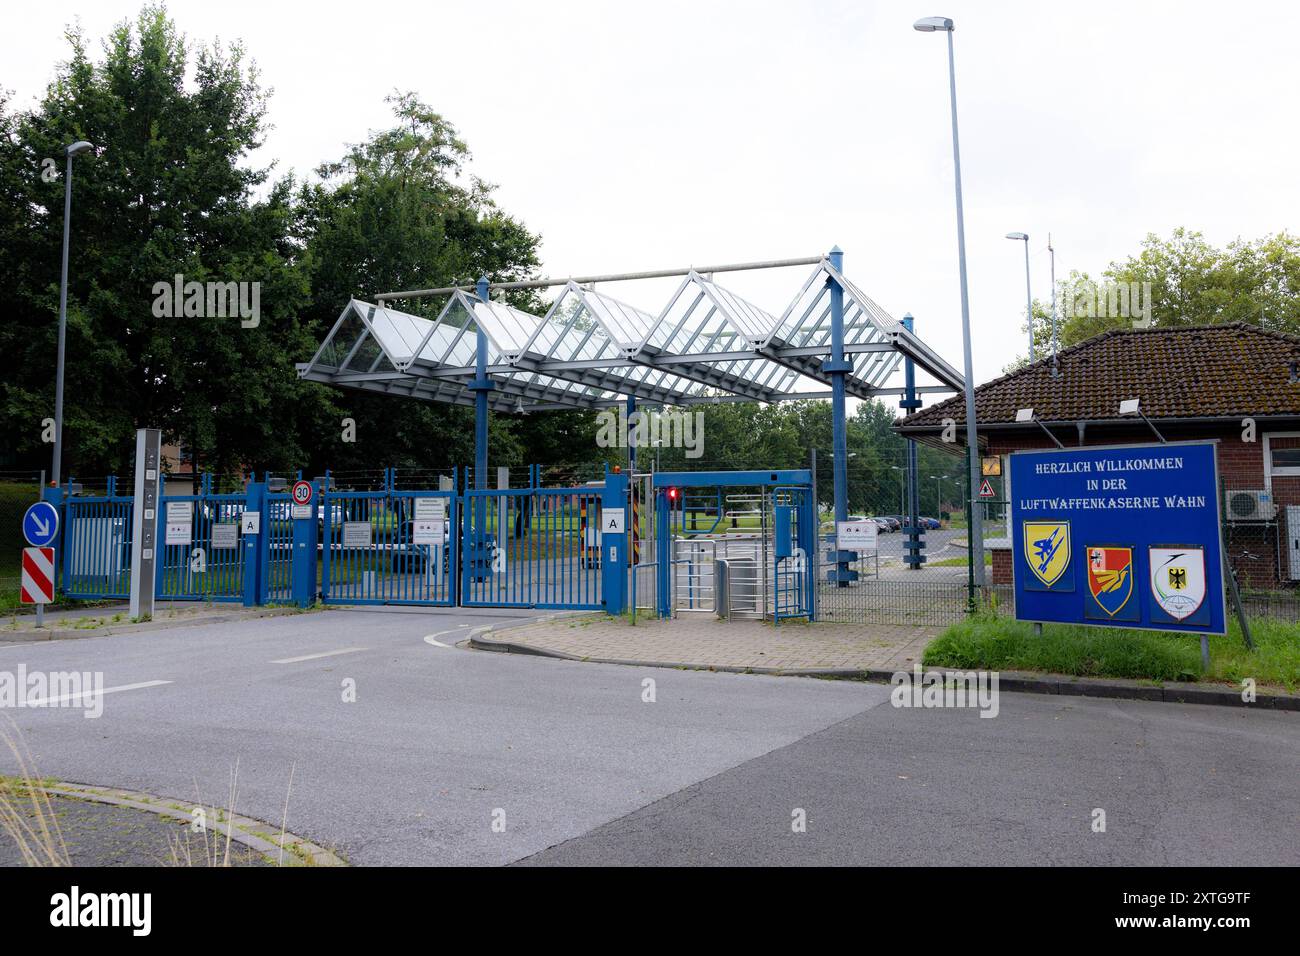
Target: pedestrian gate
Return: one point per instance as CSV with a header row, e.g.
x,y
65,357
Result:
x,y
735,544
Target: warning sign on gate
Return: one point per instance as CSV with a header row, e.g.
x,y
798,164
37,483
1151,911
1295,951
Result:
x,y
986,489
427,532
180,522
38,576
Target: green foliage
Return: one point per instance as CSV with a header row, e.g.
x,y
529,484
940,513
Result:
x,y
1191,282
170,189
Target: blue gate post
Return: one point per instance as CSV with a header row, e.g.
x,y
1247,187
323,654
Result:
x,y
304,556
663,554
62,558
613,563
477,553
838,366
254,546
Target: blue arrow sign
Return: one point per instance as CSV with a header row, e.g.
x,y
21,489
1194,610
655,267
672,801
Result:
x,y
41,524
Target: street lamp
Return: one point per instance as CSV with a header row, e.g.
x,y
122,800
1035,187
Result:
x,y
938,492
1029,299
902,490
76,149
945,25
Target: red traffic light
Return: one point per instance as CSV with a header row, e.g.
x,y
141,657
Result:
x,y
672,494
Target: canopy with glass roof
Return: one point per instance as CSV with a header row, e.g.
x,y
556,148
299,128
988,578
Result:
x,y
591,350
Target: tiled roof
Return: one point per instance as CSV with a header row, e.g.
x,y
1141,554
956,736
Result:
x,y
1209,371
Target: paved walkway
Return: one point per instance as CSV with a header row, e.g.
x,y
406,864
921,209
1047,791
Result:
x,y
703,641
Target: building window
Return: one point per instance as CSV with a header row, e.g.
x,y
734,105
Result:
x,y
1281,456
1286,461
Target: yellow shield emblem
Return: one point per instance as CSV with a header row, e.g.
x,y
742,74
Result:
x,y
1047,549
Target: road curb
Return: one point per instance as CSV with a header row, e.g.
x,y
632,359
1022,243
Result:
x,y
1018,681
241,829
33,636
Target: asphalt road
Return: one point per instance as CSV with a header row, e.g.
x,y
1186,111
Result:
x,y
441,743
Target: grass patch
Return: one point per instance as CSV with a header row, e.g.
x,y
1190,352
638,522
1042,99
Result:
x,y
958,562
990,642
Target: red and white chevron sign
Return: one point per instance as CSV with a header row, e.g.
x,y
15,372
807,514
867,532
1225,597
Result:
x,y
38,575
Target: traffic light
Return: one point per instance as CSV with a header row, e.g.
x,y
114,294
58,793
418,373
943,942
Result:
x,y
672,496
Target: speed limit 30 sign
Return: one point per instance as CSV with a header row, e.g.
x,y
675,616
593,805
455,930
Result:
x,y
302,493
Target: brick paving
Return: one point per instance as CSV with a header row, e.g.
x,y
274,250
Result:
x,y
703,641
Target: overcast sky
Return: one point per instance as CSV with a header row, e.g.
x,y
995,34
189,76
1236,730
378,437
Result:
x,y
649,135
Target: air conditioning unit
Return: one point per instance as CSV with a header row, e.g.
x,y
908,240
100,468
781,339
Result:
x,y
1249,506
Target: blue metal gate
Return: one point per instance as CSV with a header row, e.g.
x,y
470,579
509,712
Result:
x,y
794,546
97,546
532,548
208,564
388,547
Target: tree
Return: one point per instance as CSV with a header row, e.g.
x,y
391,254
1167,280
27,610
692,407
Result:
x,y
168,191
396,212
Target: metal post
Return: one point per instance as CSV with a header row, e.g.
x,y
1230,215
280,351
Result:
x,y
976,534
817,532
1052,255
1029,303
57,471
838,366
481,387
631,445
910,403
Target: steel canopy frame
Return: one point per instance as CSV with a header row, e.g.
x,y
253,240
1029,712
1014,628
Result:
x,y
591,350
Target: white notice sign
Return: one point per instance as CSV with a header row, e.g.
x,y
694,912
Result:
x,y
225,537
179,511
430,509
178,532
427,532
612,521
250,522
356,534
855,535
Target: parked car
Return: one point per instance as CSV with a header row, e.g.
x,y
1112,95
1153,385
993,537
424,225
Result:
x,y
930,524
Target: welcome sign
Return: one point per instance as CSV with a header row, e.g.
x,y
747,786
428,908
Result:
x,y
1119,536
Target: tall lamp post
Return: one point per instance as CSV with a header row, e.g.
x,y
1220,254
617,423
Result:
x,y
945,25
938,492
76,149
1029,299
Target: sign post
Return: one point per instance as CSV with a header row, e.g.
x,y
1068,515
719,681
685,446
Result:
x,y
1119,536
41,529
148,478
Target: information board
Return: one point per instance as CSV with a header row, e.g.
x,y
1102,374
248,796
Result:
x,y
1119,536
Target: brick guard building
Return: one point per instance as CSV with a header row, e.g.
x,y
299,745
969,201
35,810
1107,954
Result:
x,y
1235,384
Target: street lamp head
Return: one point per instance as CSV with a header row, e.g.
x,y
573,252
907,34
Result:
x,y
931,24
79,147
1018,235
